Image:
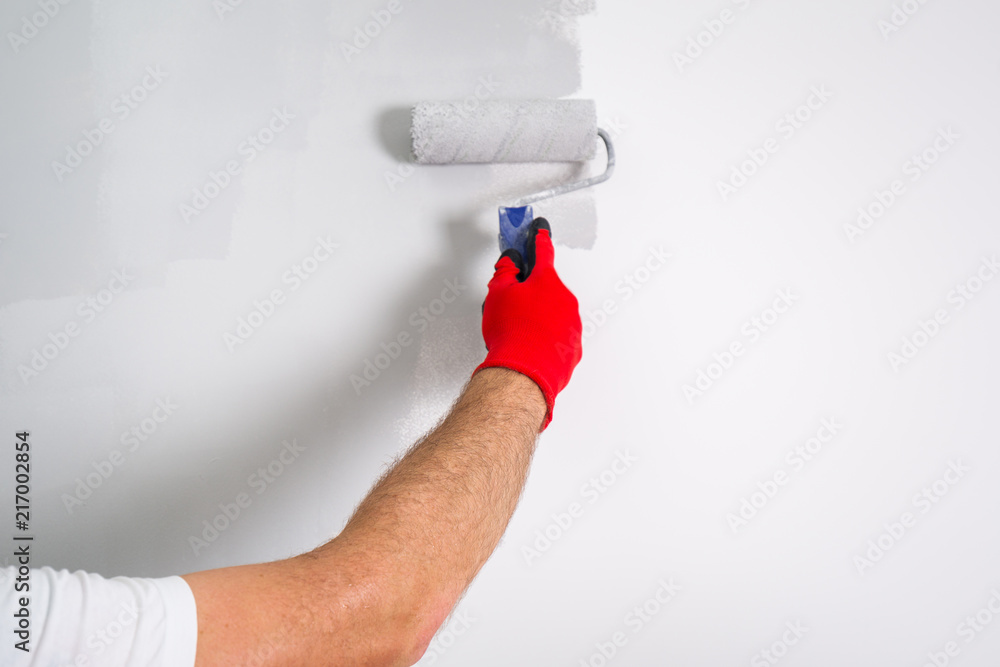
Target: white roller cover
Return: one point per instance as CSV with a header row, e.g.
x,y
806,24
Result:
x,y
504,131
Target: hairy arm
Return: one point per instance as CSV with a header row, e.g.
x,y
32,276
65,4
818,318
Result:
x,y
376,594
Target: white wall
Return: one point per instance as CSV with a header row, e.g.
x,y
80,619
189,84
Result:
x,y
680,130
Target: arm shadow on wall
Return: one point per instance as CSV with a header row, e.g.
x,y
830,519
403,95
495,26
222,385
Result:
x,y
350,437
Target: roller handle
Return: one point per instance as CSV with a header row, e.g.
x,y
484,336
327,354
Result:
x,y
514,224
522,252
579,185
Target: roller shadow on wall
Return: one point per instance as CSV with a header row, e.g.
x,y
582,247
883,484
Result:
x,y
394,132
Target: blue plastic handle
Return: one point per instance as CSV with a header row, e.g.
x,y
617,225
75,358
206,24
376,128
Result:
x,y
514,224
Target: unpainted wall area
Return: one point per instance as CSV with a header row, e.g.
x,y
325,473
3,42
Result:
x,y
779,439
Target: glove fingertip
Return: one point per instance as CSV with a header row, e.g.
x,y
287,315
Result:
x,y
544,251
508,267
511,254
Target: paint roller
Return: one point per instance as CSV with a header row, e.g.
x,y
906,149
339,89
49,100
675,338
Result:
x,y
507,131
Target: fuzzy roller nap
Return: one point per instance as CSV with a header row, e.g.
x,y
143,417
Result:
x,y
511,131
505,131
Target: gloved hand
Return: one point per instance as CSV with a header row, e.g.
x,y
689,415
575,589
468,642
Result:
x,y
531,321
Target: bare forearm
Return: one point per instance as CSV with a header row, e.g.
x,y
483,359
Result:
x,y
431,522
376,593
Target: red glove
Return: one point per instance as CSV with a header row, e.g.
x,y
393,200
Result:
x,y
531,321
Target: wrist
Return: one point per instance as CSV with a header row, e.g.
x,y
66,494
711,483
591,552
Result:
x,y
506,388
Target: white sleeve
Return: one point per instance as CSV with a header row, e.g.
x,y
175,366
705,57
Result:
x,y
84,620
